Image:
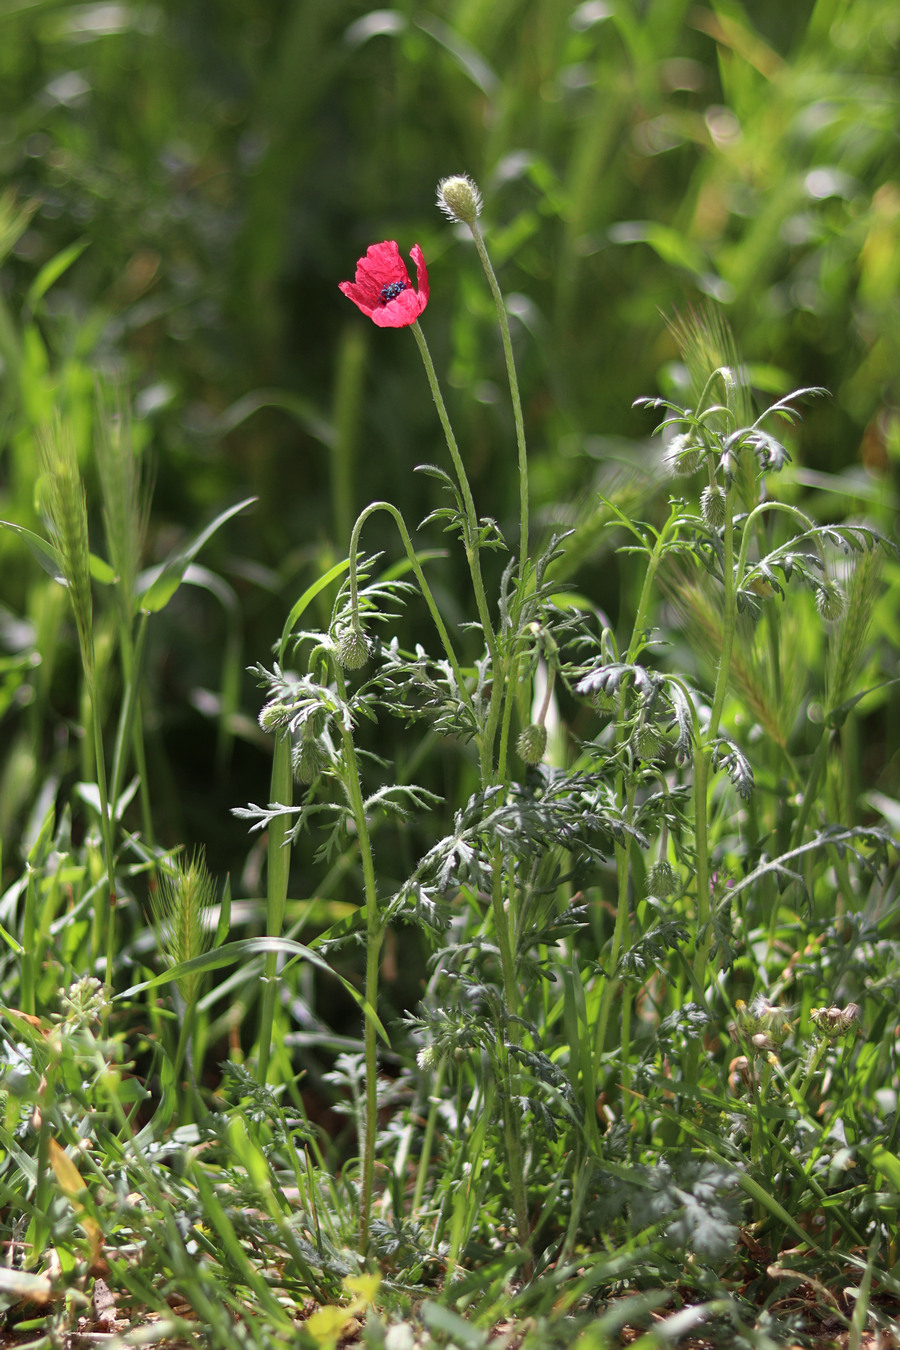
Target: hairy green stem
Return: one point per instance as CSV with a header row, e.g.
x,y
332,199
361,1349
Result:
x,y
703,762
514,394
277,870
473,556
374,939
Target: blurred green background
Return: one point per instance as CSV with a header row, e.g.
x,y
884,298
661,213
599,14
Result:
x,y
188,182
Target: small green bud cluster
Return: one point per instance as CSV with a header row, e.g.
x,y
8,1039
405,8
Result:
x,y
834,1021
532,743
763,1026
459,198
84,1001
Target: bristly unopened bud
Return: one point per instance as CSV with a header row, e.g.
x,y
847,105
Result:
x,y
647,745
459,198
310,758
662,879
712,506
428,1057
684,454
352,648
274,716
830,601
532,743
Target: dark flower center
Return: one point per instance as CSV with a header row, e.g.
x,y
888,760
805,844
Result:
x,y
391,292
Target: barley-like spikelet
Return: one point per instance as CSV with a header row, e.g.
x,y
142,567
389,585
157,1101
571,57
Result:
x,y
707,344
66,509
848,637
701,621
179,908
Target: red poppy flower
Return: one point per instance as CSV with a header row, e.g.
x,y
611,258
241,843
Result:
x,y
382,288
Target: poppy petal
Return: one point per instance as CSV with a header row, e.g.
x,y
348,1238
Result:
x,y
382,289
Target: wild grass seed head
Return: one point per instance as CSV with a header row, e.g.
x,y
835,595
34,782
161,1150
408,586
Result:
x,y
849,635
66,510
180,909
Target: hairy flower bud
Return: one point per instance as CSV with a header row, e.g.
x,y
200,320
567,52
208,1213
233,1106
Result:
x,y
459,198
532,743
428,1057
684,454
662,879
352,648
604,703
830,601
309,759
712,506
274,716
647,745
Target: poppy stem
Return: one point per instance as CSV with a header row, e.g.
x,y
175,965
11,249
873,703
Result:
x,y
471,531
513,390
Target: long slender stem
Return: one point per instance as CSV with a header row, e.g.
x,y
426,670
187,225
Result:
x,y
106,830
514,394
703,761
374,938
434,1100
473,556
277,870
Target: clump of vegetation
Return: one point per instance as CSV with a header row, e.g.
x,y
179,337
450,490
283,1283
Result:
x,y
552,999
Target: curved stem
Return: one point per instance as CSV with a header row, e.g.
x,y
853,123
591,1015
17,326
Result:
x,y
643,609
420,578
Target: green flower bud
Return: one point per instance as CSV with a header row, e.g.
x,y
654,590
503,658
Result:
x,y
604,703
532,743
684,454
712,506
647,744
428,1057
662,879
273,716
352,648
459,198
309,759
830,601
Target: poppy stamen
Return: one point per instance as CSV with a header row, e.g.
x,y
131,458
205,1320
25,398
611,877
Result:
x,y
389,293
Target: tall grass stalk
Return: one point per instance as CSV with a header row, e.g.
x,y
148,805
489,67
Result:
x,y
66,509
